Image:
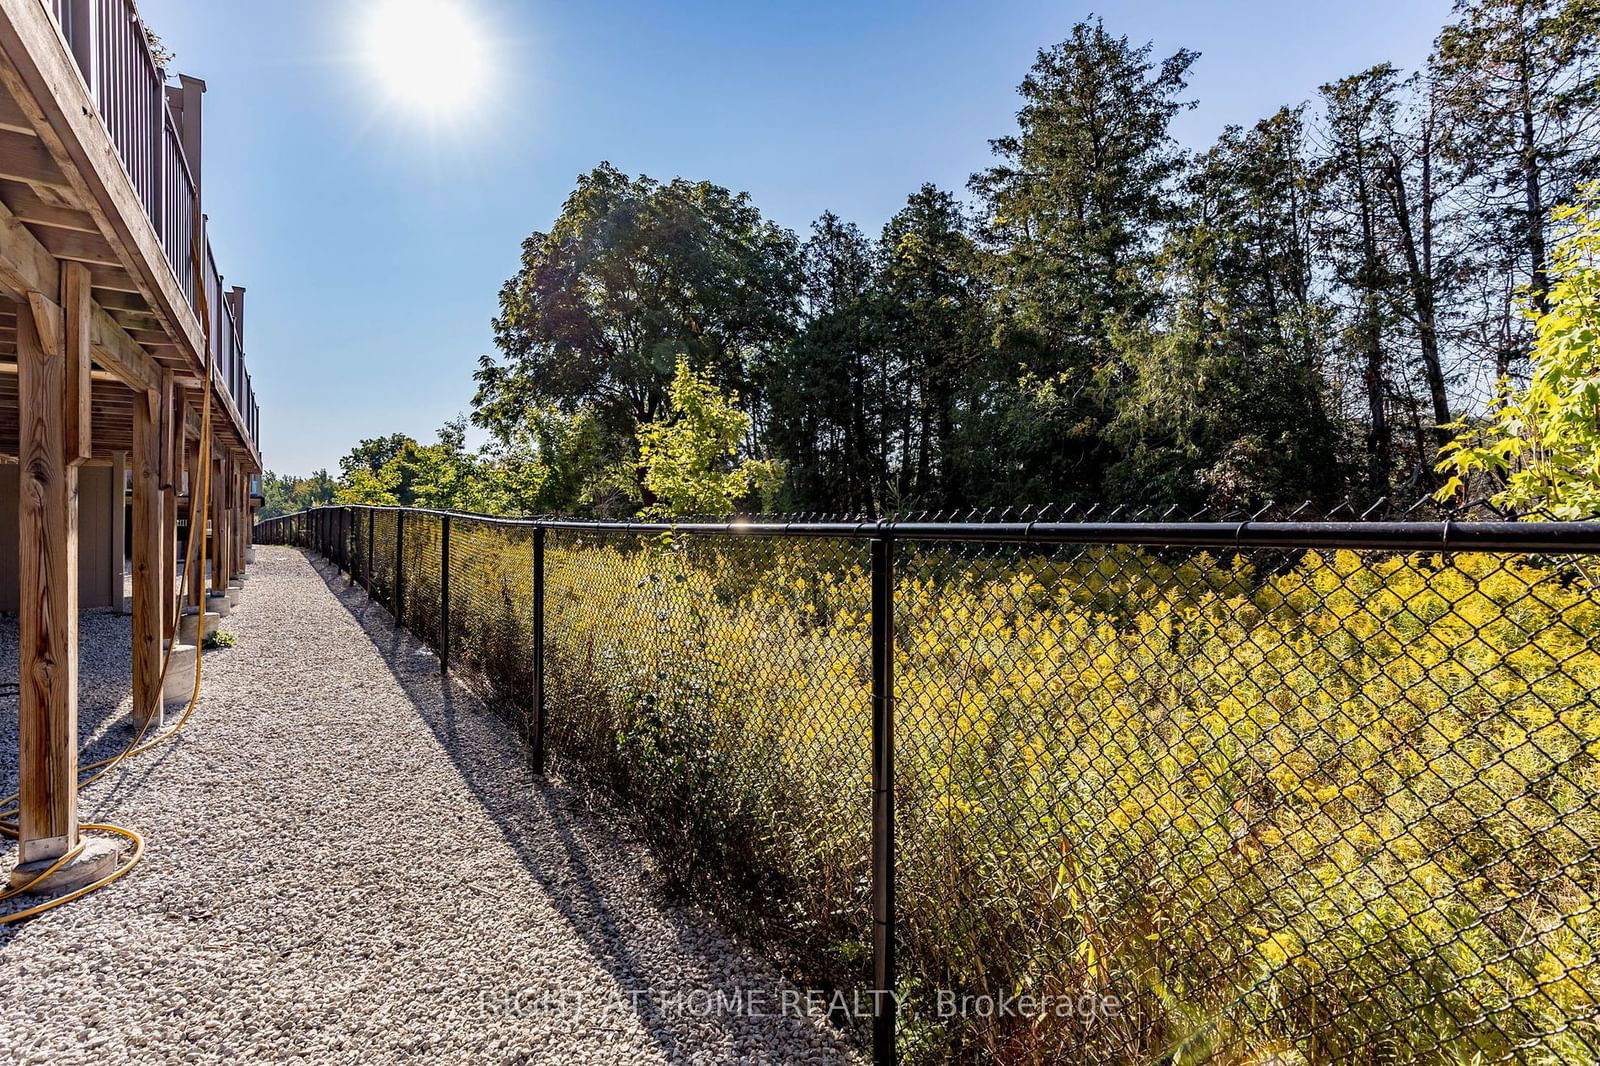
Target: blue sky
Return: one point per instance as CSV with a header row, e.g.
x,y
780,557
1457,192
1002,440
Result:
x,y
373,242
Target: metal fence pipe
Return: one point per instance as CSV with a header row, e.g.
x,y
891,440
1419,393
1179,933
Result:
x,y
444,595
883,864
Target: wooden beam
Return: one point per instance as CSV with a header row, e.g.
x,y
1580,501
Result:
x,y
147,540
118,353
84,247
196,553
47,615
28,206
12,118
44,80
23,158
25,266
76,315
31,272
47,323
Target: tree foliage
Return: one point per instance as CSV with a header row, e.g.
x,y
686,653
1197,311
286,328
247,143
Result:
x,y
635,274
1302,310
1541,442
688,456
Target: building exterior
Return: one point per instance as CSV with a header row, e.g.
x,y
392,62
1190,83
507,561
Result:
x,y
111,312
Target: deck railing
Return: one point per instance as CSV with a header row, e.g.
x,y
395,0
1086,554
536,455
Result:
x,y
108,41
1108,792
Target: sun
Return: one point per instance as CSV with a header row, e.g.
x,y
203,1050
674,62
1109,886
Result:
x,y
429,57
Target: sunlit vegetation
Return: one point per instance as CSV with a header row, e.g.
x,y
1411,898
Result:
x,y
1335,807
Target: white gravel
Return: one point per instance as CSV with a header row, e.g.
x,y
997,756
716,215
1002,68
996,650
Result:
x,y
350,862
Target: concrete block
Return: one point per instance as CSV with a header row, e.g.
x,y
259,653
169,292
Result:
x,y
187,626
180,678
97,859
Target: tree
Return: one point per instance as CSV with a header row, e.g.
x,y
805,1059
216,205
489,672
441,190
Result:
x,y
1228,405
634,275
372,454
557,464
1520,82
1360,113
934,323
443,475
829,390
285,494
1542,442
688,457
1074,211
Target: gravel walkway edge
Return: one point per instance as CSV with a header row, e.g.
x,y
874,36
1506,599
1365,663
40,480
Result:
x,y
351,863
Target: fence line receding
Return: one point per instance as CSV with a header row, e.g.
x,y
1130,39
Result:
x,y
1113,793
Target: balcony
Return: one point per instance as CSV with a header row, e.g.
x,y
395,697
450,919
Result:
x,y
155,128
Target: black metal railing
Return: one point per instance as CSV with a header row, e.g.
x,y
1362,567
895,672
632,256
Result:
x,y
1120,792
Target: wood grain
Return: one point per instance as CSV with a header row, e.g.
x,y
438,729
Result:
x,y
47,622
147,554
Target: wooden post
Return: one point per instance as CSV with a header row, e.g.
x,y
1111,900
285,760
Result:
x,y
147,550
117,507
241,540
196,554
219,496
171,430
47,616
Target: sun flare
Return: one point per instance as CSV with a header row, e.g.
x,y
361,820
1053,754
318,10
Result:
x,y
428,56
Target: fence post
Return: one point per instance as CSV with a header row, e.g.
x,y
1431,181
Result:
x,y
883,909
348,541
444,595
538,649
397,595
366,571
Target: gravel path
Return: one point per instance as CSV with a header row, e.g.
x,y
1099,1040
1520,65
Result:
x,y
349,863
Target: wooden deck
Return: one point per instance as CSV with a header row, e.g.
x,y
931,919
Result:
x,y
116,334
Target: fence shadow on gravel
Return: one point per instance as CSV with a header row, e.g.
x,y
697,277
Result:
x,y
1111,792
528,810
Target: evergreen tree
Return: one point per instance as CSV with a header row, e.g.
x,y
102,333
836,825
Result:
x,y
829,391
1074,212
1229,405
1520,80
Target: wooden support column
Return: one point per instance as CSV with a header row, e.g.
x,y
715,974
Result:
x,y
195,556
240,521
171,431
244,519
148,544
53,414
219,509
116,505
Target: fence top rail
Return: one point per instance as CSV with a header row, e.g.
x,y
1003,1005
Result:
x,y
1562,537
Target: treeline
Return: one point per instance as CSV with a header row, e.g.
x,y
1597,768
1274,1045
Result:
x,y
1297,312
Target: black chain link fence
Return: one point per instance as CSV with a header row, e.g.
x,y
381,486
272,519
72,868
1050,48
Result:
x,y
1252,793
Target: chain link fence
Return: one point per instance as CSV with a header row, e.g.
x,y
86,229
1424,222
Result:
x,y
1103,792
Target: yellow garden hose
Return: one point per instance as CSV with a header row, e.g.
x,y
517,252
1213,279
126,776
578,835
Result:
x,y
199,509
